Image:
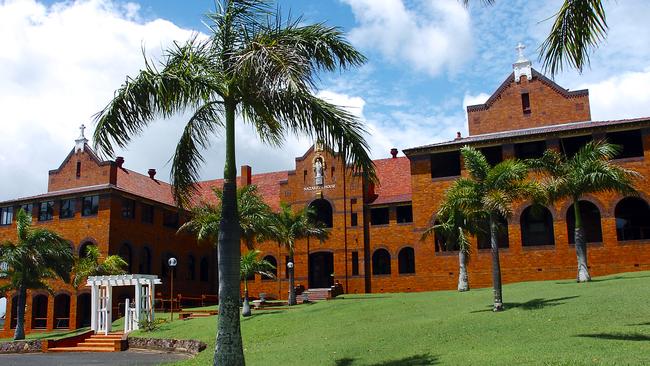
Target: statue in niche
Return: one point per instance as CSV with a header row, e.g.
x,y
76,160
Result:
x,y
319,166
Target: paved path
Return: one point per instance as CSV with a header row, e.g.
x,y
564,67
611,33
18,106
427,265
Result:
x,y
131,357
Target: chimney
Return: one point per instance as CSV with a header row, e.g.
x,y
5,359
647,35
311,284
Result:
x,y
119,161
394,152
152,173
246,173
458,136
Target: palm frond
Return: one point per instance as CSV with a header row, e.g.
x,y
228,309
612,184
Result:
x,y
580,25
475,163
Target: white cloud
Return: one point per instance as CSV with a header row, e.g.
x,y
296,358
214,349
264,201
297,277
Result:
x,y
470,99
621,96
431,36
400,129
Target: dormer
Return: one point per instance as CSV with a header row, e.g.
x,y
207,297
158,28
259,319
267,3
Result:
x,y
527,99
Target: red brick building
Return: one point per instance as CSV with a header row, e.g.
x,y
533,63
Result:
x,y
374,245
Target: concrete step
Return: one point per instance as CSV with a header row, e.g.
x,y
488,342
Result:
x,y
97,344
82,349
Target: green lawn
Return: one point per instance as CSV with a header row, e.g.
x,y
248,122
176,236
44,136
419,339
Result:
x,y
606,322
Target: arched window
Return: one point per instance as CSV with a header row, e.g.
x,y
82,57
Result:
x,y
484,240
590,216
191,268
632,219
381,262
271,259
83,249
406,259
322,212
39,312
125,253
145,261
204,270
62,311
537,226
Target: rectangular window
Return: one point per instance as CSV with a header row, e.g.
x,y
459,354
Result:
x,y
147,213
46,211
530,150
493,154
6,215
445,164
66,210
90,206
78,169
630,142
128,208
404,214
379,216
525,103
355,263
571,145
354,219
170,219
28,208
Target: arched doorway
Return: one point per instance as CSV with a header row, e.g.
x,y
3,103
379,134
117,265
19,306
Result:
x,y
322,212
83,249
83,310
537,226
321,269
590,222
62,311
39,312
3,311
632,219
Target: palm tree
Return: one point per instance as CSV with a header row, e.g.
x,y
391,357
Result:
x,y
90,265
36,256
490,192
579,27
590,170
254,215
254,65
289,226
249,265
455,225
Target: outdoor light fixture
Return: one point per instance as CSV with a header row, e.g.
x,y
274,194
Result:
x,y
172,262
290,265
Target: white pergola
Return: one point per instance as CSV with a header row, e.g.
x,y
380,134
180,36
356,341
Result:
x,y
101,297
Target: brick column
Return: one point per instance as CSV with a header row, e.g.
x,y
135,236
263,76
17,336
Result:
x,y
73,311
50,313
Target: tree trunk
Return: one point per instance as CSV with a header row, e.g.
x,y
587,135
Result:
x,y
229,350
581,245
292,289
463,281
19,333
496,266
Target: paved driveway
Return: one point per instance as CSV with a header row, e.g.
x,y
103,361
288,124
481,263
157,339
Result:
x,y
131,357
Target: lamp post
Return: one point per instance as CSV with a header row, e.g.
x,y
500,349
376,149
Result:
x,y
292,299
172,262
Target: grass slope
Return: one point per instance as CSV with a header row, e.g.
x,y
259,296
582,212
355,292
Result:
x,y
606,322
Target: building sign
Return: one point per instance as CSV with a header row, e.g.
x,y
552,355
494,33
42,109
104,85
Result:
x,y
316,188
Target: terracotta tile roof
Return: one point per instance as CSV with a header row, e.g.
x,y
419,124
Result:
x,y
527,133
268,185
142,185
394,177
63,192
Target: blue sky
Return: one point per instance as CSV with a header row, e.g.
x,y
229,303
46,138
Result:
x,y
427,60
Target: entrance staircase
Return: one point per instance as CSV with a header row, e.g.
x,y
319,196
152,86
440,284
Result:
x,y
96,343
315,294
